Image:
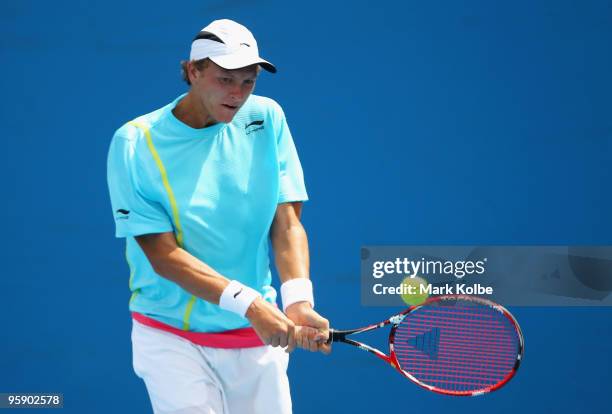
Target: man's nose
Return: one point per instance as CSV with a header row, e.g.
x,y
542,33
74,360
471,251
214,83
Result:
x,y
237,91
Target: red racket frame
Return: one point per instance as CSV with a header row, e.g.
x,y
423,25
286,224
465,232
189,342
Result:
x,y
391,359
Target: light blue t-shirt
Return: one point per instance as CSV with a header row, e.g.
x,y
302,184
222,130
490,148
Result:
x,y
216,188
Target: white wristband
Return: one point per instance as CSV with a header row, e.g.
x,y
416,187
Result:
x,y
296,290
237,297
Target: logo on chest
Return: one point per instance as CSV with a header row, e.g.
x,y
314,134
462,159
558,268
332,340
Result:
x,y
253,126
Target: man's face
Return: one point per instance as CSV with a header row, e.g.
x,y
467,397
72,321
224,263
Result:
x,y
222,92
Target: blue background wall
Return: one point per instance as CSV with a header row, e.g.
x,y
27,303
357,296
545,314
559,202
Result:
x,y
417,122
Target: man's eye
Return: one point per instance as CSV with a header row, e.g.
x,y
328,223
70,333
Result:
x,y
249,81
226,80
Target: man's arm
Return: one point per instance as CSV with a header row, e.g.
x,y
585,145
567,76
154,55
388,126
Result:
x,y
201,280
290,244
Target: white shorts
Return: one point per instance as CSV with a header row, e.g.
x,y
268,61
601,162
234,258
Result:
x,y
184,378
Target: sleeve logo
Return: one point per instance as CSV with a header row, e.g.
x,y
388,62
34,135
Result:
x,y
122,214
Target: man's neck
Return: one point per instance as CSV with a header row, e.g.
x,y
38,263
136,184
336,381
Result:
x,y
191,112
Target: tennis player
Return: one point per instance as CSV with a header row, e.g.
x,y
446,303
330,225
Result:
x,y
197,188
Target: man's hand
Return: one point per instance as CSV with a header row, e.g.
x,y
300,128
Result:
x,y
313,329
272,326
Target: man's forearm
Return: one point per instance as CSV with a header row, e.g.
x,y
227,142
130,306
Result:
x,y
291,252
177,265
193,275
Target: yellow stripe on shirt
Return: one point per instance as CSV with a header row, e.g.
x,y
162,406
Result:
x,y
173,206
164,177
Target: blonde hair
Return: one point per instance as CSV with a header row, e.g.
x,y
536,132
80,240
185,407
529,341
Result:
x,y
200,65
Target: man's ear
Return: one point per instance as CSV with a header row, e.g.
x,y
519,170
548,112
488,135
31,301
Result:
x,y
193,72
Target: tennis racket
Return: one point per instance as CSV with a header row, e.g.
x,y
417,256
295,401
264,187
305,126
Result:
x,y
454,344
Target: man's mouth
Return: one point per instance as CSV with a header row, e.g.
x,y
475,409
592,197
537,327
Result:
x,y
231,107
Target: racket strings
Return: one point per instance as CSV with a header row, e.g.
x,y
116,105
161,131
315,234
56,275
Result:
x,y
464,347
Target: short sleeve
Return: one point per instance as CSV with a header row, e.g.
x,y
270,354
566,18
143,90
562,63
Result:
x,y
134,214
292,187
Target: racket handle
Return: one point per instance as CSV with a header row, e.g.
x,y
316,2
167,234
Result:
x,y
334,336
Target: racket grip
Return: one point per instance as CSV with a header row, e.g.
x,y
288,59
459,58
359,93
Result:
x,y
333,336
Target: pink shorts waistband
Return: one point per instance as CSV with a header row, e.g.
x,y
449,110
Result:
x,y
236,338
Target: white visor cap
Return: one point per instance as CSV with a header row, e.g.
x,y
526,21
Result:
x,y
237,47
